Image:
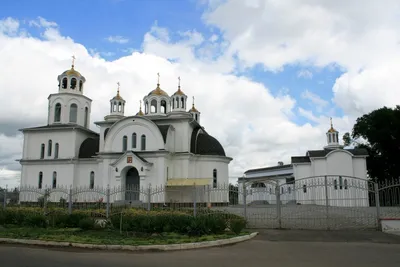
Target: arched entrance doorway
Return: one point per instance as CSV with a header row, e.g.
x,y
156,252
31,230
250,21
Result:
x,y
132,183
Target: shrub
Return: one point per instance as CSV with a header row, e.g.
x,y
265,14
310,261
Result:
x,y
86,224
35,220
216,223
237,225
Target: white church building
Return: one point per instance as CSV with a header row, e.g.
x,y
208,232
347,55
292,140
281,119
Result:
x,y
333,173
164,146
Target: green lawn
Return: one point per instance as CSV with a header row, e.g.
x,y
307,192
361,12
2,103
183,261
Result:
x,y
104,237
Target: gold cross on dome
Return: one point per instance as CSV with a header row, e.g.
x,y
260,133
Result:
x,y
158,79
179,81
73,60
193,100
118,88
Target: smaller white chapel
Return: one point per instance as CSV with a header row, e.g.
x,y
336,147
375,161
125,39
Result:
x,y
164,145
302,181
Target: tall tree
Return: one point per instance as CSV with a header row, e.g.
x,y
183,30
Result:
x,y
379,132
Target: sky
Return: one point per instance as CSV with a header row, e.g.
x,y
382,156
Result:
x,y
267,75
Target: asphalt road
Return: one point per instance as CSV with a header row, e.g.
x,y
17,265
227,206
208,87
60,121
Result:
x,y
270,248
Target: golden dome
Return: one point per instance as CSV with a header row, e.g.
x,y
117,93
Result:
x,y
158,91
332,130
117,97
193,109
140,113
179,92
71,72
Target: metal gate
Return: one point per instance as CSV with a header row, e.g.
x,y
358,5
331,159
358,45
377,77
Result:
x,y
320,202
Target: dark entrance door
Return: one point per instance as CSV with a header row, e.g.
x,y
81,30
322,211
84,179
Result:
x,y
132,183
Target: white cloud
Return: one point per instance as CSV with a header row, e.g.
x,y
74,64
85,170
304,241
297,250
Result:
x,y
304,74
360,37
42,22
315,99
9,26
117,39
254,126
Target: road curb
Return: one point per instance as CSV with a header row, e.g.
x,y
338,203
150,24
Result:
x,y
185,246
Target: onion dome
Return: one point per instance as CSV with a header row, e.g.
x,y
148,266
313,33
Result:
x,y
71,80
158,91
179,92
193,109
140,113
118,96
332,138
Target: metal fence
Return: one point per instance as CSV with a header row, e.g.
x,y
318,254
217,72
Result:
x,y
321,202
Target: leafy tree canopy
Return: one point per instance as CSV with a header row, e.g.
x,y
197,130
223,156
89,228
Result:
x,y
379,132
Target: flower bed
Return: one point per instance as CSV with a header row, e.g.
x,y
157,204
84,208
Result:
x,y
127,221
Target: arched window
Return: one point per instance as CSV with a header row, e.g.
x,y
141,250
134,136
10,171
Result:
x,y
73,83
73,113
345,184
177,102
64,83
195,116
215,181
163,107
91,185
304,188
340,182
134,140
173,103
57,112
143,142
335,184
330,138
80,85
56,148
40,181
124,143
182,102
153,106
49,146
105,133
114,106
42,151
86,117
119,106
54,185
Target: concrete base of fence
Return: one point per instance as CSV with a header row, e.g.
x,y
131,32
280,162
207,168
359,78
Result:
x,y
390,225
185,246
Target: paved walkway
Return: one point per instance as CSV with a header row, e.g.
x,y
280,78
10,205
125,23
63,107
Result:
x,y
272,248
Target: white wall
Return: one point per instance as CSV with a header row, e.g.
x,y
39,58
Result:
x,y
34,139
66,99
127,127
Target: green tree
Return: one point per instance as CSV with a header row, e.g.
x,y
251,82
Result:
x,y
379,133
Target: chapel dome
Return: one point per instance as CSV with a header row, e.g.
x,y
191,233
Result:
x,y
89,148
204,144
158,91
72,72
179,92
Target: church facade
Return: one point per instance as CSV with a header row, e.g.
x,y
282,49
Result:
x,y
162,146
333,173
